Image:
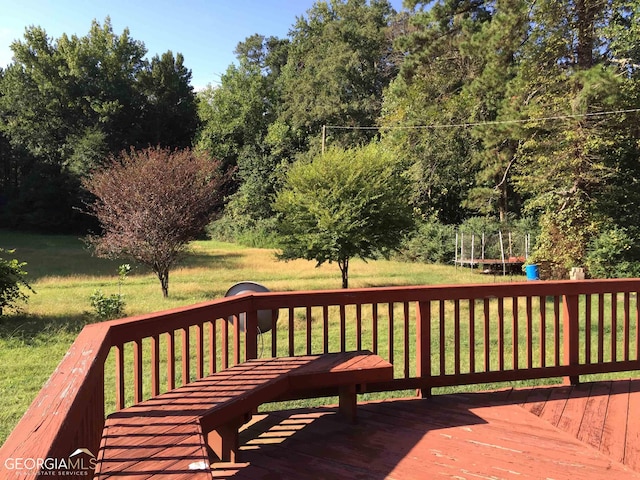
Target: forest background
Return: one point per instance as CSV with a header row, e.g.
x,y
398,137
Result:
x,y
508,114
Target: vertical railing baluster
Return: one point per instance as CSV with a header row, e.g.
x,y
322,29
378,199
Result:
x,y
325,328
514,331
614,326
627,327
186,357
343,329
500,334
137,371
587,328
358,326
443,366
155,365
224,344
487,336
406,340
423,344
309,320
171,361
213,347
556,328
374,328
472,335
274,332
291,332
543,335
236,337
529,314
199,350
390,334
637,326
119,377
456,337
251,335
600,327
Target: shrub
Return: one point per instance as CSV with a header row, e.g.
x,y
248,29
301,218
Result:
x,y
112,306
12,281
612,254
433,242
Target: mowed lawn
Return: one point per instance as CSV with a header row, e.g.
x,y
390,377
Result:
x,y
64,274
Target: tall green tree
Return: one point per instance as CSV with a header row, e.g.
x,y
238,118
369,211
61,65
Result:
x,y
344,204
237,127
430,92
169,116
497,45
567,165
67,104
340,61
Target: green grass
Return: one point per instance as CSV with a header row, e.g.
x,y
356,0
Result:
x,y
64,274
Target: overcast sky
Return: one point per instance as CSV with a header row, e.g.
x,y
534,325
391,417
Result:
x,y
205,31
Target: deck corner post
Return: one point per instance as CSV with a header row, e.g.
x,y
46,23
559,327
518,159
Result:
x,y
571,339
251,334
423,345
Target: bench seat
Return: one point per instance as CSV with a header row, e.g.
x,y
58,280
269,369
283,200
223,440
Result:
x,y
170,435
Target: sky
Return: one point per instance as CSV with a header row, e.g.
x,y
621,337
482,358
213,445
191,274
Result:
x,y
206,32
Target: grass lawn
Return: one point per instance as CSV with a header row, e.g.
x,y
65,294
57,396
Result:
x,y
64,275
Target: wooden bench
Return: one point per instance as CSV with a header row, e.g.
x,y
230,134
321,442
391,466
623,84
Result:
x,y
170,435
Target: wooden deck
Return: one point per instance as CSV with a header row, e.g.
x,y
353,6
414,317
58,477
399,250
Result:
x,y
591,431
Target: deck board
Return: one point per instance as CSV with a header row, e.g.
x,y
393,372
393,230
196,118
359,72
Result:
x,y
632,446
464,436
614,429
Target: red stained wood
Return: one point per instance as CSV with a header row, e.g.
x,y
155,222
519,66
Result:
x,y
165,435
480,435
574,409
632,446
614,431
594,415
554,406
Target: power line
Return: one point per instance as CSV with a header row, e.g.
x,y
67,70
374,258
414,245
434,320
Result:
x,y
479,124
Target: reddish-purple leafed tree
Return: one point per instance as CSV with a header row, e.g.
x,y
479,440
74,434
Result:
x,y
151,203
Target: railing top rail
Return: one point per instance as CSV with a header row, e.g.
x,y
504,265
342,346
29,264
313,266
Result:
x,y
59,403
143,326
420,293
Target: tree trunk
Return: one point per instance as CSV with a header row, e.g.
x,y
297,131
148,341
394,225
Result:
x,y
163,276
344,270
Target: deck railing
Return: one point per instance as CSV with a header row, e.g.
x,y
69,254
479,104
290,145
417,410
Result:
x,y
434,335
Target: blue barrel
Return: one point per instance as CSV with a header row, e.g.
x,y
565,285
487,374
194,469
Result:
x,y
532,272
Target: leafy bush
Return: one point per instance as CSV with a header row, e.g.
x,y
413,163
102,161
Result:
x,y
107,307
12,282
245,231
111,306
433,242
612,254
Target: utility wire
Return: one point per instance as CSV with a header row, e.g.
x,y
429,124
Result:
x,y
479,124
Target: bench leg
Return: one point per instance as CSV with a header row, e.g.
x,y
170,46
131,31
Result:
x,y
348,402
224,440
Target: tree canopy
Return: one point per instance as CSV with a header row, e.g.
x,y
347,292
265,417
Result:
x,y
150,203
344,204
505,109
68,103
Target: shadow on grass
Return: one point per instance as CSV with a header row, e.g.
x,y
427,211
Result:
x,y
215,261
31,329
72,262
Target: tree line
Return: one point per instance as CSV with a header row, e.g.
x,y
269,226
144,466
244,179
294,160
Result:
x,y
503,109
